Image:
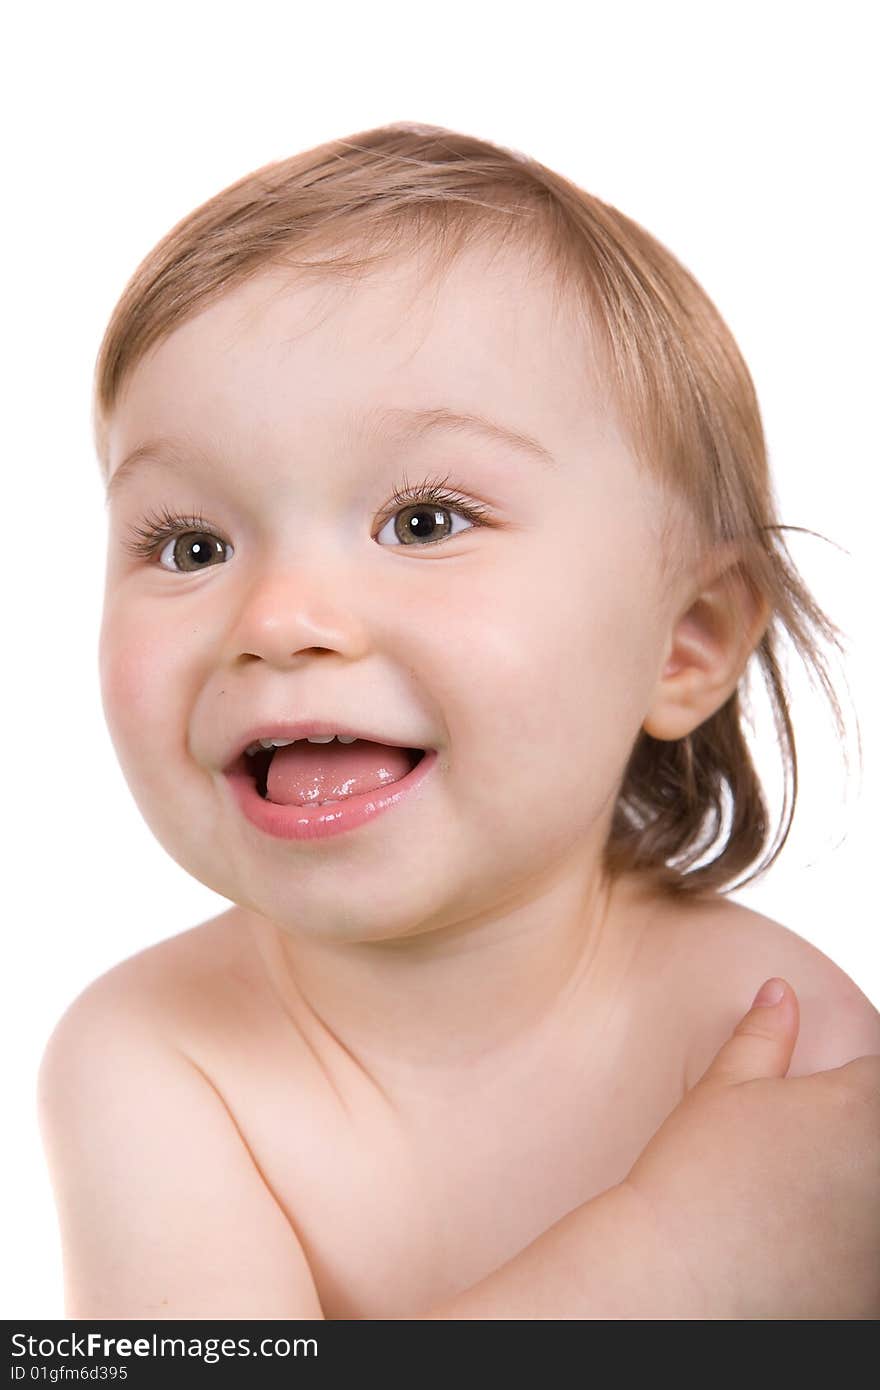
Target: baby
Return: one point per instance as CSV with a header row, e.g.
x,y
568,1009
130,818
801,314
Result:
x,y
456,727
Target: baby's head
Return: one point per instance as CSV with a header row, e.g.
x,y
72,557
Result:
x,y
470,462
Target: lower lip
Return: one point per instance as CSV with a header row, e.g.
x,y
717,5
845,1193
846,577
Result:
x,y
320,822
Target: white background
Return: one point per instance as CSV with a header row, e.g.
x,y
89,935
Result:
x,y
743,136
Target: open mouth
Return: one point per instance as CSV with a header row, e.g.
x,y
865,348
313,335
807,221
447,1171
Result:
x,y
295,793
257,765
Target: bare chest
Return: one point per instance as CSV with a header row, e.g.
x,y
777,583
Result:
x,y
398,1207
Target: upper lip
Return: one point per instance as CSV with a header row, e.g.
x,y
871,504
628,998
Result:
x,y
305,728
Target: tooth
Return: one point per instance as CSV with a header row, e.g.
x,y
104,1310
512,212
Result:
x,y
265,743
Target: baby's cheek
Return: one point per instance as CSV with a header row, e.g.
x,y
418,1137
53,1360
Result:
x,y
135,684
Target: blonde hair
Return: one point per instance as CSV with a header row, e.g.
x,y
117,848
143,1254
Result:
x,y
683,389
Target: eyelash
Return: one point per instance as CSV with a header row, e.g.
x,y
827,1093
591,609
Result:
x,y
160,527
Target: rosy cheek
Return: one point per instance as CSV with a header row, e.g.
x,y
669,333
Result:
x,y
133,673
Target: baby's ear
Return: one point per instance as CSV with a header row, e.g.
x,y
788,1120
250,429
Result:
x,y
722,620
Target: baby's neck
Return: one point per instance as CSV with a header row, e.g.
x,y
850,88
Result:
x,y
491,996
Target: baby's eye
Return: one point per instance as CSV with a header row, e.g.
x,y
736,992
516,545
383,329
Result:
x,y
422,512
191,551
425,524
186,542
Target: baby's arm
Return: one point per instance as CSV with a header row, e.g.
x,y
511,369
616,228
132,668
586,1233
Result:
x,y
756,1199
163,1211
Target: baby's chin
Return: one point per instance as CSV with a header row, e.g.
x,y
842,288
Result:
x,y
391,909
324,920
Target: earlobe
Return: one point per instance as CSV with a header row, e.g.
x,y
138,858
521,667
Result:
x,y
708,649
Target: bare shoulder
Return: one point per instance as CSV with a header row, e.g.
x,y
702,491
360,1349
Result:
x,y
125,1024
163,1210
175,989
731,950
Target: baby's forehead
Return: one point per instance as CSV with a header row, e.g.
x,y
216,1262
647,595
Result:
x,y
481,295
485,333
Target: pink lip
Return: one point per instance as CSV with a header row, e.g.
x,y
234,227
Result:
x,y
320,822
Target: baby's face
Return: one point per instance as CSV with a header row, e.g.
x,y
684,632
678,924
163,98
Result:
x,y
524,649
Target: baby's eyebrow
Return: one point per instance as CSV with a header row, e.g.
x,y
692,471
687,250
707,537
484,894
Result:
x,y
408,424
401,423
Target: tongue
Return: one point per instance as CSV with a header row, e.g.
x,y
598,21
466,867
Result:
x,y
305,774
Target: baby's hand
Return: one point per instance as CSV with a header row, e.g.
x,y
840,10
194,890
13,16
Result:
x,y
767,1190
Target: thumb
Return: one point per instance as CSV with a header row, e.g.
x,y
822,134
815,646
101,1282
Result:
x,y
762,1042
